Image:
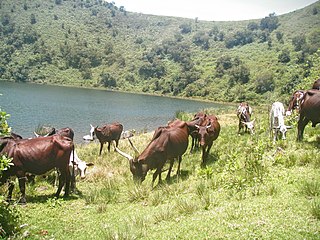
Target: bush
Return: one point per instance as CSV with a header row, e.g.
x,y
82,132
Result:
x,y
9,219
9,215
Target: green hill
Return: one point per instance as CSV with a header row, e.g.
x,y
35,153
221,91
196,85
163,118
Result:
x,y
97,44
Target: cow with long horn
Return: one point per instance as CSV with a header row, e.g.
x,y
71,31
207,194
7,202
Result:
x,y
167,143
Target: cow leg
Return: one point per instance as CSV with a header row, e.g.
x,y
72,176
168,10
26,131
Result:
x,y
62,180
208,150
101,146
22,185
301,125
203,155
10,190
170,168
109,143
155,175
67,187
179,162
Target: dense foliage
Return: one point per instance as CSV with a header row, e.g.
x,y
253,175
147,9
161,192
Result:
x,y
97,44
9,215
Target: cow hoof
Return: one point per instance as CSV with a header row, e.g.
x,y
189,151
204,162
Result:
x,y
22,201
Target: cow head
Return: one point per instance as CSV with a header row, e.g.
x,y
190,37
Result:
x,y
137,168
283,130
295,101
250,126
203,133
80,169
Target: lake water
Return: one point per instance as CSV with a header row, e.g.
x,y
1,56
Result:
x,y
31,105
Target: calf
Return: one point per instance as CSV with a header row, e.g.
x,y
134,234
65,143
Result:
x,y
277,125
207,134
244,112
108,133
194,133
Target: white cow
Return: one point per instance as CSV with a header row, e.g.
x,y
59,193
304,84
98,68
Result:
x,y
91,135
80,166
277,125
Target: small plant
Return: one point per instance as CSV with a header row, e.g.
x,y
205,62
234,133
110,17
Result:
x,y
185,206
138,193
204,195
54,202
315,208
310,188
9,219
164,214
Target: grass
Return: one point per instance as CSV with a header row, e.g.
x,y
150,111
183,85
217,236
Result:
x,y
251,188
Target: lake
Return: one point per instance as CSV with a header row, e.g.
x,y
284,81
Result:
x,y
31,105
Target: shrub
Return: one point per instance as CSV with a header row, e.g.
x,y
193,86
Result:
x,y
9,219
9,215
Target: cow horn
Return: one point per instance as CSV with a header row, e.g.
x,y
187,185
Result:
x,y
289,127
135,149
197,126
209,126
130,158
36,134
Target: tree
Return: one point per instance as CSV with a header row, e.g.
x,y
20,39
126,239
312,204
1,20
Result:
x,y
107,80
299,42
284,56
264,83
33,19
270,22
185,28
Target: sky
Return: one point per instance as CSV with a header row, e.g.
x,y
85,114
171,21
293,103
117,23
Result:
x,y
214,10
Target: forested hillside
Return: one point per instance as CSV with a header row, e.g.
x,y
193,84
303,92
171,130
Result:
x,y
94,43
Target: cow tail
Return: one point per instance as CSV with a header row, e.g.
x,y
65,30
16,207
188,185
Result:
x,y
73,177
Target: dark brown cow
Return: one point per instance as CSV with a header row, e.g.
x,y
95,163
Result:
x,y
294,102
201,117
167,143
207,134
316,84
108,133
309,111
244,112
37,156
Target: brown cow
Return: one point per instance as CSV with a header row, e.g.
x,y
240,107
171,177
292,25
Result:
x,y
108,133
244,112
207,134
167,143
309,111
37,156
316,84
201,117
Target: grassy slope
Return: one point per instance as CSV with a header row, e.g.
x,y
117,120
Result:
x,y
248,190
81,26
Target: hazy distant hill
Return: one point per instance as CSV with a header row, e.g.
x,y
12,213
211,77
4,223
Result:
x,y
95,43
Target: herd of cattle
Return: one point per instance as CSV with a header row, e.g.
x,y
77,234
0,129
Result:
x,y
56,150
